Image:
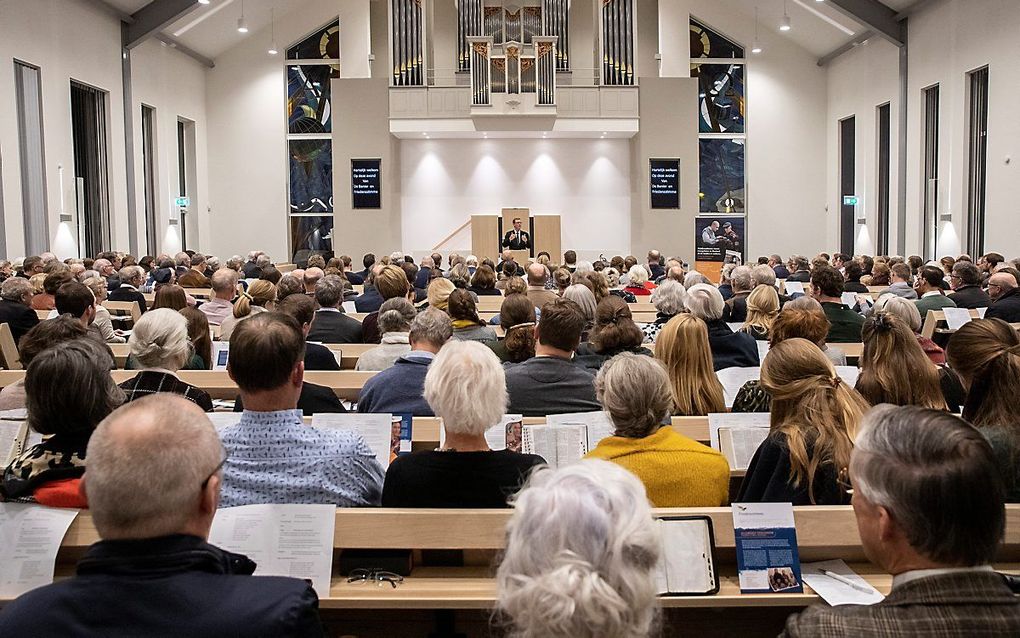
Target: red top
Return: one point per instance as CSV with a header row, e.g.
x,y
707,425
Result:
x,y
63,493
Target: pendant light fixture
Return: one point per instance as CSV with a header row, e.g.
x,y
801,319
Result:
x,y
785,25
756,47
272,32
242,24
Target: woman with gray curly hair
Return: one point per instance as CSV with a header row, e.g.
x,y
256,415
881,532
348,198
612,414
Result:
x,y
668,300
395,317
580,559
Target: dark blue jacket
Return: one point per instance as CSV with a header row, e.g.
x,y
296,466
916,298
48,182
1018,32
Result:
x,y
369,301
398,389
731,349
169,586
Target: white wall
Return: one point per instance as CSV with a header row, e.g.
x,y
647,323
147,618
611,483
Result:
x,y
586,182
859,82
68,40
174,85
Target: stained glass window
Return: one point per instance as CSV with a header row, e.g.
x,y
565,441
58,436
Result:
x,y
721,97
722,175
311,232
308,98
324,44
707,43
311,176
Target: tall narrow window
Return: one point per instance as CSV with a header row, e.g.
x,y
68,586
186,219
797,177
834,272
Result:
x,y
847,183
28,90
149,178
182,178
884,179
88,125
931,169
977,171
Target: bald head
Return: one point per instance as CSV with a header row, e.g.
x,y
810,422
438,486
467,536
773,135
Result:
x,y
311,277
147,462
224,283
1000,283
537,274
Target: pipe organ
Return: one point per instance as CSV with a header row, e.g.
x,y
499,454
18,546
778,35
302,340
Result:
x,y
407,37
504,23
617,29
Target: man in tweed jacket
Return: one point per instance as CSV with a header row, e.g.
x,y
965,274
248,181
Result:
x,y
929,503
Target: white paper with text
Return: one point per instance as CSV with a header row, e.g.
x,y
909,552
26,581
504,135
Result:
x,y
30,536
376,429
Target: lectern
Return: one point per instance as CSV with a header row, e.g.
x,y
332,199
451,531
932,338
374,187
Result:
x,y
487,234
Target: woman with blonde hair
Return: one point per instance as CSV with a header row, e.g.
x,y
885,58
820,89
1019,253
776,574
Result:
x,y
439,293
762,310
683,348
260,297
814,421
894,369
581,553
103,321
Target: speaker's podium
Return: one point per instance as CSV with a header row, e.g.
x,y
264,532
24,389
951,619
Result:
x,y
487,233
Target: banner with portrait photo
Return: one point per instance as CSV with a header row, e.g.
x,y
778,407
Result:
x,y
720,238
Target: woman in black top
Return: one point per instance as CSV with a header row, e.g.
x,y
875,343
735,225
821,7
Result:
x,y
813,426
614,332
466,387
484,282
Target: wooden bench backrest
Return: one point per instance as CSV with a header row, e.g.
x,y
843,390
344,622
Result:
x,y
935,317
9,349
124,309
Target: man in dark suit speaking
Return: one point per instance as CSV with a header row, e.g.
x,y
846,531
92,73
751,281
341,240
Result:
x,y
517,239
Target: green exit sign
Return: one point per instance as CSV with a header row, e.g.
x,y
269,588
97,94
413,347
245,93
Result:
x,y
851,200
183,202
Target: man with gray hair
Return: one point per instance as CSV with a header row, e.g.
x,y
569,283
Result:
x,y
224,289
194,277
736,306
16,306
153,487
182,262
1002,288
331,325
928,497
399,388
538,274
966,284
131,279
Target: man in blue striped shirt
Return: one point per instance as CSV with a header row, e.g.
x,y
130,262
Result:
x,y
272,456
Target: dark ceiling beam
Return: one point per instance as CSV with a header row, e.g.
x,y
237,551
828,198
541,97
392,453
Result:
x,y
185,49
153,17
857,41
874,15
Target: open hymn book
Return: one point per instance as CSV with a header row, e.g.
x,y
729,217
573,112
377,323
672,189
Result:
x,y
687,564
566,438
738,445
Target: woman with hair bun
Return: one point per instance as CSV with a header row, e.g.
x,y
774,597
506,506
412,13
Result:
x,y
260,297
614,332
814,420
517,316
580,559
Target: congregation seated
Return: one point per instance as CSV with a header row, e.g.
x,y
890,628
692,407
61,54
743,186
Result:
x,y
131,279
668,299
439,294
676,471
77,300
814,417
909,314
260,297
102,321
200,337
1002,288
16,306
394,322
517,316
194,276
310,277
852,272
729,349
272,456
929,509
827,288
582,295
399,388
47,334
153,487
302,308
170,296
899,277
46,299
538,277
467,326
160,347
797,269
637,282
551,382
890,349
290,284
464,472
684,351
761,309
965,281
224,288
483,282
331,324
49,472
986,355
581,555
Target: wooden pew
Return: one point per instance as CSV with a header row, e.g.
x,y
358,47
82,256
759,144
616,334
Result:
x,y
823,532
936,317
199,293
122,310
346,384
9,356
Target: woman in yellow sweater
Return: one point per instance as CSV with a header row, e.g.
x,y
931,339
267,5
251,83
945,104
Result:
x,y
676,471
